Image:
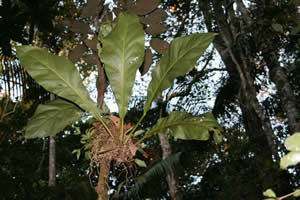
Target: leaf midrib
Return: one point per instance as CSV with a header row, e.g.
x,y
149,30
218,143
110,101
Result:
x,y
55,72
123,74
178,123
165,74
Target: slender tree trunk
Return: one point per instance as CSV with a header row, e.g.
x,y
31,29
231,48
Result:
x,y
172,177
278,76
287,98
52,169
102,186
235,50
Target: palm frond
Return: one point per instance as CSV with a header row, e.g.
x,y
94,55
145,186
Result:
x,y
147,182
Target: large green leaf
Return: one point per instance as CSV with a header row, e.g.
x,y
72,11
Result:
x,y
52,118
58,75
123,54
184,126
179,59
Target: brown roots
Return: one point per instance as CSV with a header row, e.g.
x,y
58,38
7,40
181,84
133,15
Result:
x,y
106,149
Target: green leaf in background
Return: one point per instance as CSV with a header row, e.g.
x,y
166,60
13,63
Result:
x,y
297,193
277,27
179,59
1,69
140,163
123,54
292,143
184,126
58,75
290,159
269,193
218,137
52,118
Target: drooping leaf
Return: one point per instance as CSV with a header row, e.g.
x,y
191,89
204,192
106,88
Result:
x,y
179,59
77,27
290,159
155,173
77,152
155,29
269,193
184,126
90,59
147,62
123,54
77,52
58,75
155,17
91,43
144,7
140,163
159,45
50,119
292,143
93,8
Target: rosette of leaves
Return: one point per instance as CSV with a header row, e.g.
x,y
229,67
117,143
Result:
x,y
122,54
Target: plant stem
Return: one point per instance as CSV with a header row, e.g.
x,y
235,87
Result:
x,y
288,195
121,130
135,127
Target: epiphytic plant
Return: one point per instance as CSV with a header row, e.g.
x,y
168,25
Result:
x,y
122,52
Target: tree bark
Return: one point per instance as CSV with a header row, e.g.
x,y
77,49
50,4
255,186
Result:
x,y
277,74
234,53
235,49
52,169
102,186
286,94
172,177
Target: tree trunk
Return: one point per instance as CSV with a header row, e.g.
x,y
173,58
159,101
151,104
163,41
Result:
x,y
52,169
235,50
238,61
102,186
278,76
287,98
172,177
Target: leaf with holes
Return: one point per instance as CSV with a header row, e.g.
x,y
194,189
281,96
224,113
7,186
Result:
x,y
184,126
179,59
50,119
122,54
58,75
